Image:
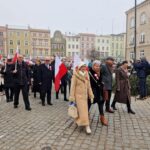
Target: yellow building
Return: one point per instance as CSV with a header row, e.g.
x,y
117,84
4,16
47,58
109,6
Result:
x,y
40,42
18,36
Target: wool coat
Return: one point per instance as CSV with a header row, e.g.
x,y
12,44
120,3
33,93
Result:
x,y
123,87
79,93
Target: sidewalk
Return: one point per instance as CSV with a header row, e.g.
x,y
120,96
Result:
x,y
50,126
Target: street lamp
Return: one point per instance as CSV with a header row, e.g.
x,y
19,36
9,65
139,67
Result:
x,y
135,11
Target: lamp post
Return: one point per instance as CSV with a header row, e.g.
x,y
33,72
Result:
x,y
135,14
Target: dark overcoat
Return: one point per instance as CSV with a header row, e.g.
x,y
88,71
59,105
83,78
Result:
x,y
8,76
46,77
36,78
122,93
96,85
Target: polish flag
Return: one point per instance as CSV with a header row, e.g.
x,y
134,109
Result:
x,y
0,57
16,55
60,71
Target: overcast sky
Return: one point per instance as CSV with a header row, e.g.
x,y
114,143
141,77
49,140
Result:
x,y
96,16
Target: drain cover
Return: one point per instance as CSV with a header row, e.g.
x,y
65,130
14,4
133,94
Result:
x,y
46,148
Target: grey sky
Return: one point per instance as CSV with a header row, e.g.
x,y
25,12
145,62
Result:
x,y
96,16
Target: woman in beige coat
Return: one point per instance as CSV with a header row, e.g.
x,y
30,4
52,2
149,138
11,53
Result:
x,y
79,93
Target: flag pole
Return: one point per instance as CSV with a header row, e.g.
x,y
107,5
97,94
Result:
x,y
16,60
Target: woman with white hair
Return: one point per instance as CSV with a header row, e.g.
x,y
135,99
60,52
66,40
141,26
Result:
x,y
97,88
79,93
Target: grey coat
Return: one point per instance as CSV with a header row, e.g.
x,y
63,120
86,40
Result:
x,y
106,75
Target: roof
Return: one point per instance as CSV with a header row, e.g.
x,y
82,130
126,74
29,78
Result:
x,y
138,6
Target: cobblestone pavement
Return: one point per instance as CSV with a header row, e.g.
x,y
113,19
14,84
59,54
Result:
x,y
50,126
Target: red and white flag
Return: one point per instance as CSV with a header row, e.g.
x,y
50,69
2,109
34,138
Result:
x,y
60,71
1,57
16,55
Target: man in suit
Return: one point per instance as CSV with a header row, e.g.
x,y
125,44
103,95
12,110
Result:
x,y
106,74
21,80
46,78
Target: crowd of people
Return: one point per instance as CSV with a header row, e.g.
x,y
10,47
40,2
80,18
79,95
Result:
x,y
87,84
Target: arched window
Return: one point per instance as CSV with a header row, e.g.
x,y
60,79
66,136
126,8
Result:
x,y
143,18
142,40
132,22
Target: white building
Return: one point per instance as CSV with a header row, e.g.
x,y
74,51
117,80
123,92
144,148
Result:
x,y
72,45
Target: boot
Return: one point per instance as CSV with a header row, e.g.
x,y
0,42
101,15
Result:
x,y
130,111
88,130
113,105
103,120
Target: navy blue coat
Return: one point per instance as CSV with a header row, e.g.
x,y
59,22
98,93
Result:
x,y
141,68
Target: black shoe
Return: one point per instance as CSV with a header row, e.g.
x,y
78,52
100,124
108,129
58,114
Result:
x,y
11,100
109,110
49,104
43,104
131,112
114,107
7,100
28,109
66,100
57,97
15,106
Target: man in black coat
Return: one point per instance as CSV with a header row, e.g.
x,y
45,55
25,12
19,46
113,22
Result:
x,y
106,74
46,78
8,80
21,80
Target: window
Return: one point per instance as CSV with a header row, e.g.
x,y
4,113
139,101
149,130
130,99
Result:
x,y
34,34
45,42
131,55
98,40
112,45
46,35
142,40
26,51
40,42
72,46
25,34
132,23
69,46
76,39
103,48
107,48
11,51
1,42
1,33
18,33
11,42
46,51
116,45
40,34
141,53
132,40
77,46
103,41
143,18
18,42
69,53
107,41
40,52
26,43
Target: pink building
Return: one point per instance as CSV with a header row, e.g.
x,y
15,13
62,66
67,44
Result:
x,y
87,43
